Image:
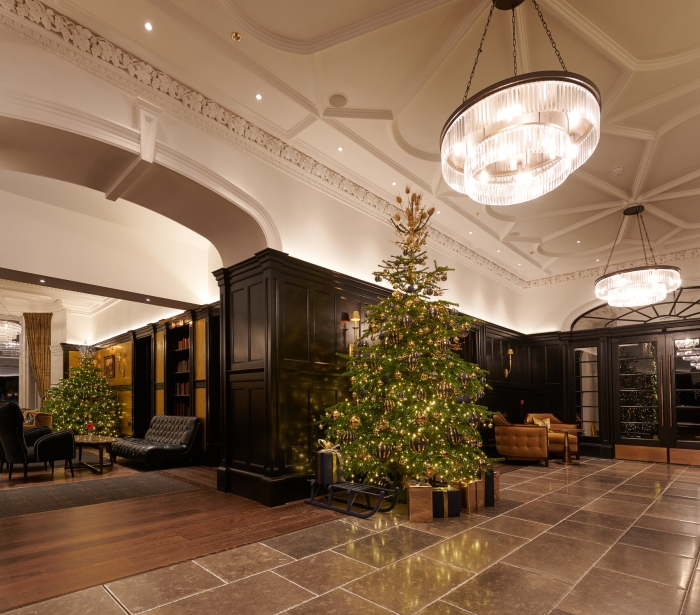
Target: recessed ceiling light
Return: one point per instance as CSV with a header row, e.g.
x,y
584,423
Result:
x,y
519,264
42,281
470,232
148,26
497,250
438,211
340,149
579,241
393,183
258,96
147,299
236,36
597,260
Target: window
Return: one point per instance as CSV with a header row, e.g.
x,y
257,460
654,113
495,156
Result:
x,y
586,390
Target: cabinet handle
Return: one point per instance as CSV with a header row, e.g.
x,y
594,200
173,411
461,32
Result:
x,y
670,392
661,391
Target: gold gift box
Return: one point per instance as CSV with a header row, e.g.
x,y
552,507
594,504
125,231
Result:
x,y
473,494
420,503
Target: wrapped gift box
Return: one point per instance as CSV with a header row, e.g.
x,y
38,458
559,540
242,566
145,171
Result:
x,y
329,467
420,503
496,485
447,502
472,495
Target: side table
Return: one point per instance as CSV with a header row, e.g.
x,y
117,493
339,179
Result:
x,y
101,443
567,448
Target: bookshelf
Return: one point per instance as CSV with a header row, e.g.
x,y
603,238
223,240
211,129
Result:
x,y
178,361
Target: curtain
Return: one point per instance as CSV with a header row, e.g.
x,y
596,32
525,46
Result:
x,y
37,329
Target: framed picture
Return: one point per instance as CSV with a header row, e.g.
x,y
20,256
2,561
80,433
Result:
x,y
109,366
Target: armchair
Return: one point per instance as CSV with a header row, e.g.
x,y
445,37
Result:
x,y
555,435
39,446
36,418
523,442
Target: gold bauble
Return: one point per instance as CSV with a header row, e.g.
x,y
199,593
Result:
x,y
335,415
354,421
421,418
382,424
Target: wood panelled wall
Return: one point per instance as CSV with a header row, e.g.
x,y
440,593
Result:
x,y
282,330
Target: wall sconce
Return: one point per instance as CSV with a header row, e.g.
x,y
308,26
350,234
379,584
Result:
x,y
356,320
509,369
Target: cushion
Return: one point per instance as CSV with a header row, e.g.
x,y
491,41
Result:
x,y
29,418
543,423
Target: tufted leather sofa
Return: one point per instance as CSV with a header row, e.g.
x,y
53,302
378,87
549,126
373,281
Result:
x,y
526,442
169,438
556,438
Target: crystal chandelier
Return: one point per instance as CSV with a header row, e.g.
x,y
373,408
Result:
x,y
520,138
9,332
639,285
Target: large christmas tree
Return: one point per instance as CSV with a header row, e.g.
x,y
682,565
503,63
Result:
x,y
84,402
413,411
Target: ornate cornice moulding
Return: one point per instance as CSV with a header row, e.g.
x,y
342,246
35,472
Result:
x,y
55,32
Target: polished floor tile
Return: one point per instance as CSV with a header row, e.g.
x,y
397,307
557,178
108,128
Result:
x,y
578,489
316,539
378,522
683,493
515,527
502,506
621,496
584,531
675,511
450,526
323,572
686,546
475,549
337,602
385,548
544,485
262,594
617,507
692,600
442,608
519,495
570,500
410,584
151,589
561,557
650,492
542,512
93,601
673,526
506,590
602,519
651,565
668,498
235,564
602,592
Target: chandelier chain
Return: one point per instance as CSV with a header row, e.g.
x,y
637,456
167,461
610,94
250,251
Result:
x,y
614,244
644,249
515,55
549,34
644,226
476,60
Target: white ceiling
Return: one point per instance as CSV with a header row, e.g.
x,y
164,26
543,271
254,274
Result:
x,y
403,66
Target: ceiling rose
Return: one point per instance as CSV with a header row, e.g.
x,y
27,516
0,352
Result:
x,y
640,285
520,138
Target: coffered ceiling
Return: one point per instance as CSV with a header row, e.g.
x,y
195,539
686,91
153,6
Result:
x,y
401,67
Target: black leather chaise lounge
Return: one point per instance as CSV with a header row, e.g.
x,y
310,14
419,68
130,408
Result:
x,y
168,439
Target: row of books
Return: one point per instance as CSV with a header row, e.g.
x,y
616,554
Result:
x,y
182,388
180,409
183,366
183,343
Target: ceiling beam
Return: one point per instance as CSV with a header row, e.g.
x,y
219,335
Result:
x,y
599,183
643,168
655,101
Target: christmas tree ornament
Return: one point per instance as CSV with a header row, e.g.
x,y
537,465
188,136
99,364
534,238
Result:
x,y
377,278
335,415
354,421
421,418
420,394
383,451
382,424
419,445
405,321
346,437
453,436
389,405
401,395
443,277
433,375
442,389
444,344
432,311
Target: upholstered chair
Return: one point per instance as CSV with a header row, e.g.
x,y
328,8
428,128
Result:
x,y
523,442
555,435
37,418
47,447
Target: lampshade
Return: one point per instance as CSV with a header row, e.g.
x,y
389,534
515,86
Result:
x,y
355,317
521,138
638,286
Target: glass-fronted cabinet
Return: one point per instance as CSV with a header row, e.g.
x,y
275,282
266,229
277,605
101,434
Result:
x,y
656,397
586,391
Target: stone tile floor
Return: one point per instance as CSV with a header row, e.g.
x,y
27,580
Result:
x,y
601,538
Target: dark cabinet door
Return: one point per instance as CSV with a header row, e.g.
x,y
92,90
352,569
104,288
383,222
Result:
x,y
683,386
640,397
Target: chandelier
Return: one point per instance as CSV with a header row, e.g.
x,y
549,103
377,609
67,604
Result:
x,y
9,332
522,137
639,285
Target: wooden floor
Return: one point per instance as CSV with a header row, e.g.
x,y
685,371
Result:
x,y
53,553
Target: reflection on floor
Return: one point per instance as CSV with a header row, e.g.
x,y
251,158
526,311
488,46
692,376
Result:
x,y
603,538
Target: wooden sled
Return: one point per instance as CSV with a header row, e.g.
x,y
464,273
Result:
x,y
353,491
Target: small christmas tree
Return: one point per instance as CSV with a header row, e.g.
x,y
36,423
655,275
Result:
x,y
413,411
84,403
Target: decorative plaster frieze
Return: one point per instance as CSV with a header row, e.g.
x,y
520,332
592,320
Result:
x,y
33,20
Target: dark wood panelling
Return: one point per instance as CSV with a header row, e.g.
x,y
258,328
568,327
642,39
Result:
x,y
325,327
295,322
258,314
240,331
